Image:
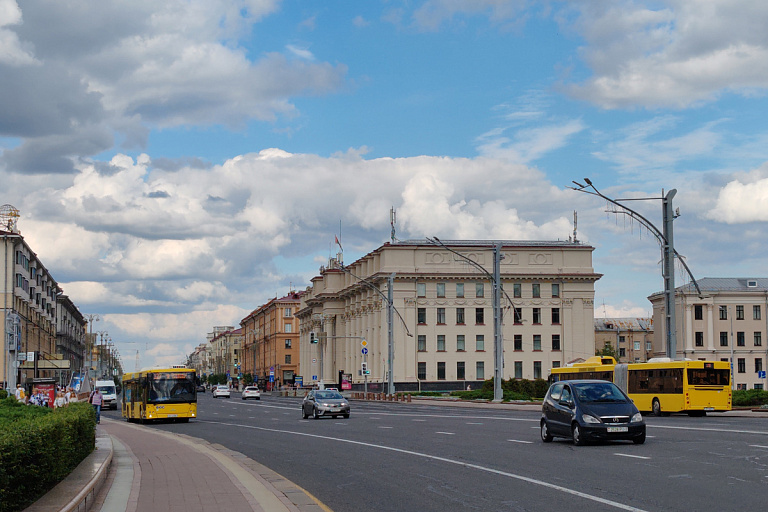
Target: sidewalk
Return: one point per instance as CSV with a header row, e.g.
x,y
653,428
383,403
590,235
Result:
x,y
148,470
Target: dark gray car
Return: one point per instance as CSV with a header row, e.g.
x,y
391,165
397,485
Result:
x,y
590,410
323,402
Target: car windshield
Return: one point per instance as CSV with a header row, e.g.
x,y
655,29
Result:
x,y
328,395
598,392
107,390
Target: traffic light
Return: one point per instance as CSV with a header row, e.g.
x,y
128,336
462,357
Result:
x,y
312,338
365,369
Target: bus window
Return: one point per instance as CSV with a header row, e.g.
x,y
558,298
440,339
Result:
x,y
708,377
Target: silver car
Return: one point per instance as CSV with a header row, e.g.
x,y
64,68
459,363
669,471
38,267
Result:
x,y
324,402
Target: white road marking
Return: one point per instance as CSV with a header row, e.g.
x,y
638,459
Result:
x,y
473,423
380,426
534,481
419,420
758,446
633,456
445,433
519,441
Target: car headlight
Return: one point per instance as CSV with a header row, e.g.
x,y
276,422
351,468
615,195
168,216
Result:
x,y
637,418
344,404
587,418
326,405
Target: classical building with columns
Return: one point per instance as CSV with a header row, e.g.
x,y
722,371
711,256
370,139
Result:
x,y
443,325
728,322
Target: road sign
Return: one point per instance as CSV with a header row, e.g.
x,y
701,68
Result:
x,y
314,360
365,351
314,377
271,368
30,356
761,374
364,343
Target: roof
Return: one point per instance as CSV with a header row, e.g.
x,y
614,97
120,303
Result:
x,y
624,324
727,284
490,243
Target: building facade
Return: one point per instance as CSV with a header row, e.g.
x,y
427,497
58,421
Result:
x,y
70,335
271,337
443,329
728,322
226,346
630,338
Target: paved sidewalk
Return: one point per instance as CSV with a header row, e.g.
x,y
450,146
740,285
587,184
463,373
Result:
x,y
156,471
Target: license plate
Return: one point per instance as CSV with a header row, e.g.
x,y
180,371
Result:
x,y
709,408
617,429
335,410
173,415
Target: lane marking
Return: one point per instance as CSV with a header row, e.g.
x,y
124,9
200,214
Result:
x,y
530,480
519,441
445,433
633,456
473,423
419,420
381,426
758,446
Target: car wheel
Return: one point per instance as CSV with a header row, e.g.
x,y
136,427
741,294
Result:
x,y
316,413
346,416
243,398
545,435
656,407
639,439
304,414
578,438
258,398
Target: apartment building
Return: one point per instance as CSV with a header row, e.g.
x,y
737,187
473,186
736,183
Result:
x,y
29,304
727,323
443,329
226,351
630,338
70,336
271,338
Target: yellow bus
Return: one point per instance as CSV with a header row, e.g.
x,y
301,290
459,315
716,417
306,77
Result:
x,y
160,393
661,385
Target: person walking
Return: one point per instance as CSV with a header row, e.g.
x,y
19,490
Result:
x,y
96,401
20,395
60,401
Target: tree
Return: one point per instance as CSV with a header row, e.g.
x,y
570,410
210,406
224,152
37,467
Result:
x,y
607,351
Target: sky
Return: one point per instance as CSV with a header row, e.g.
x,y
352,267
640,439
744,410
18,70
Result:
x,y
177,164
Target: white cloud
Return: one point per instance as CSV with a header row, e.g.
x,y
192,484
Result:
x,y
740,202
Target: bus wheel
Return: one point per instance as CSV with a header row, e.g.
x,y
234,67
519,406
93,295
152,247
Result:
x,y
656,407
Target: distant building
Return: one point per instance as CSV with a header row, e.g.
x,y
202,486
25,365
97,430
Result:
x,y
70,336
631,338
445,304
727,323
226,347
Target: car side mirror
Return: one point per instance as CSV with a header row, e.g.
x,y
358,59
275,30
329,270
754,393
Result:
x,y
567,403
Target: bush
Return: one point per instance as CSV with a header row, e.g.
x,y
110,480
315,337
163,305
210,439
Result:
x,y
750,397
3,394
512,389
39,447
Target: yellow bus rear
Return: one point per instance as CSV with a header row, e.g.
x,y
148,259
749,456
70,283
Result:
x,y
160,394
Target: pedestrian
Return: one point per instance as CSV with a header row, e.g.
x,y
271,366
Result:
x,y
60,401
68,394
95,400
20,395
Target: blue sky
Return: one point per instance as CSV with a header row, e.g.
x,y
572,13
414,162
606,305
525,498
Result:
x,y
178,164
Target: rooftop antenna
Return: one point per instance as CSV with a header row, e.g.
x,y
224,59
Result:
x,y
392,222
575,223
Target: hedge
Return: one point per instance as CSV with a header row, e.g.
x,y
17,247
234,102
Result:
x,y
750,397
512,389
39,447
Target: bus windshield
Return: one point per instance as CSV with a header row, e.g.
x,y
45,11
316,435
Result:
x,y
708,377
171,387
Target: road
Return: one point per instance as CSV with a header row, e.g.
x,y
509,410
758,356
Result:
x,y
401,457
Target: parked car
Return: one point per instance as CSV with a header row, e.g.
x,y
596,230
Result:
x,y
323,402
590,410
251,392
201,388
221,390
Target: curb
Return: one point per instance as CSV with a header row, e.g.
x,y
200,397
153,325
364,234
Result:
x,y
84,482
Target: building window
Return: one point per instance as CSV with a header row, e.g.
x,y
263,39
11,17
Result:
x,y
518,315
741,387
555,342
723,339
441,342
441,371
518,342
287,312
479,289
460,374
699,338
622,339
287,343
537,369
287,358
742,365
422,371
517,290
460,289
480,370
460,343
648,346
441,289
756,312
536,315
479,316
555,315
518,369
758,338
460,316
422,342
537,342
555,364
536,290
723,312
288,328
698,312
421,289
622,352
637,345
555,290
740,339
758,364
441,316
480,342
739,312
421,314
758,386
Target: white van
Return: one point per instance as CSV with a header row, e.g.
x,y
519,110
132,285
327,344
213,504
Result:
x,y
108,393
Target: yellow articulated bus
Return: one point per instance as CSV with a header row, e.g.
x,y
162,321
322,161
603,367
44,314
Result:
x,y
159,394
661,385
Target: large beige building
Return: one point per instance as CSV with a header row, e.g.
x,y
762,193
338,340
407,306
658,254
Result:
x,y
443,327
727,323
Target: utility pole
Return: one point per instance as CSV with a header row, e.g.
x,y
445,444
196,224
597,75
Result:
x,y
390,334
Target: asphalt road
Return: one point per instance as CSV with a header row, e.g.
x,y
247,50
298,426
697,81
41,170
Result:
x,y
403,457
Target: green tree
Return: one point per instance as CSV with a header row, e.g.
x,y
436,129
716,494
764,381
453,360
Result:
x,y
608,350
